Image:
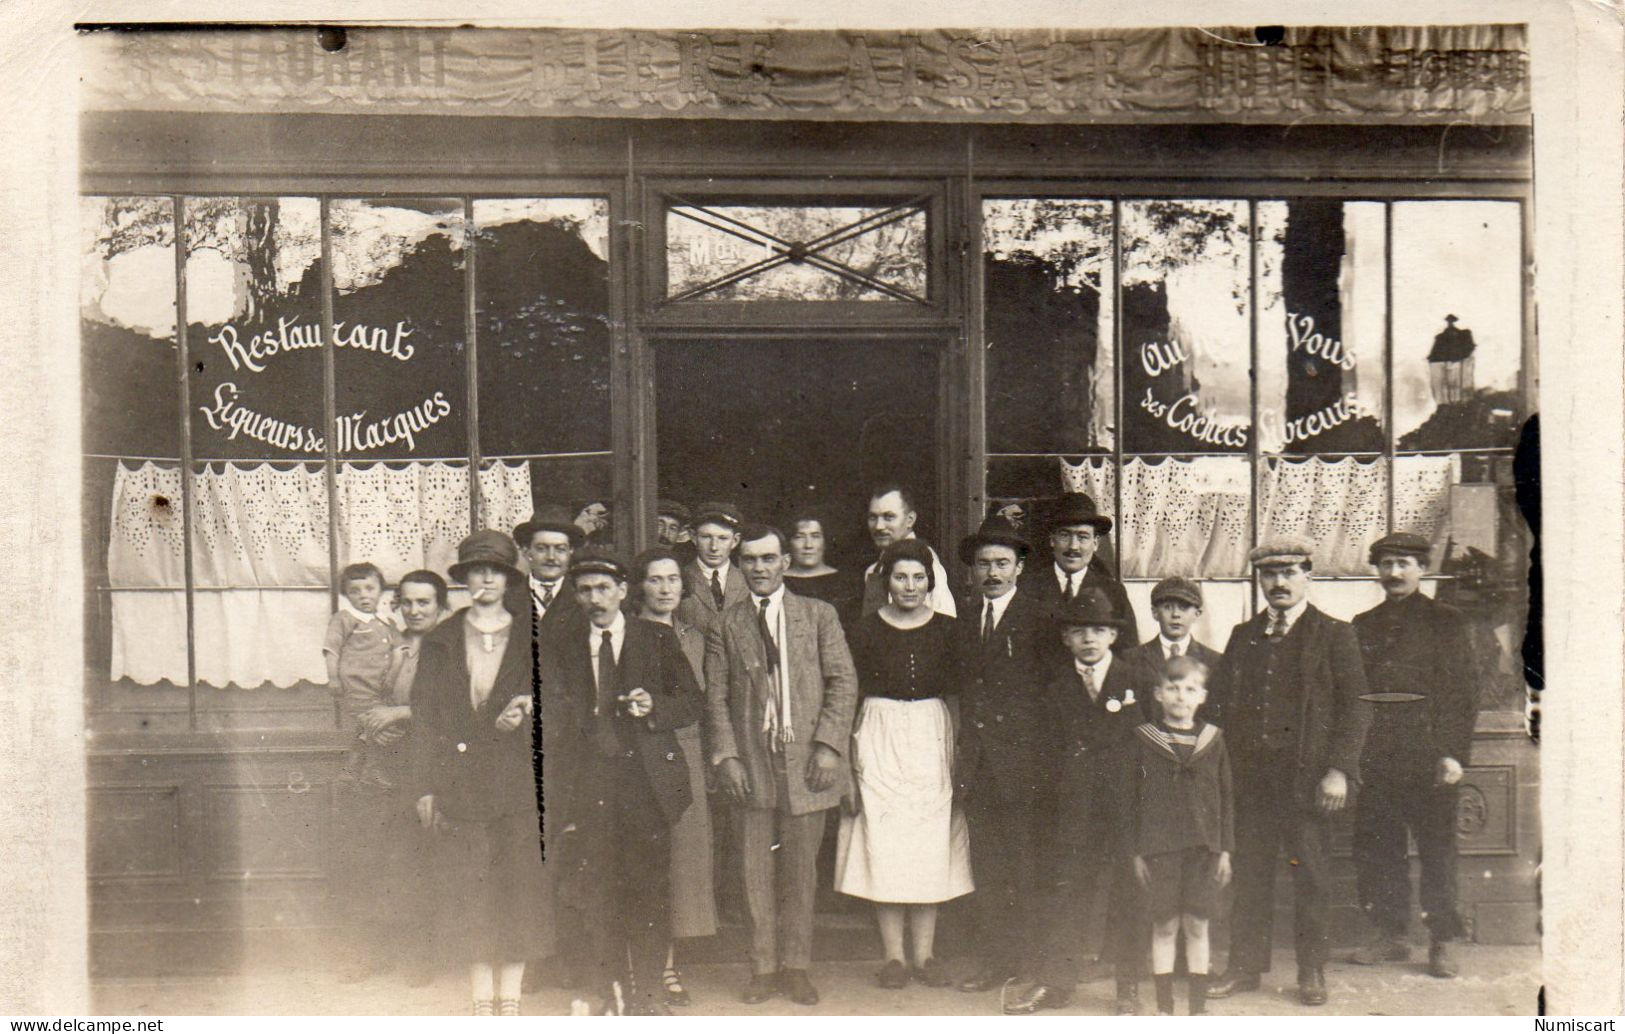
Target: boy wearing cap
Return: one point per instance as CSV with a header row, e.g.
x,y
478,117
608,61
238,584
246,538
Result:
x,y
1424,696
1093,701
712,582
1177,603
1290,695
619,779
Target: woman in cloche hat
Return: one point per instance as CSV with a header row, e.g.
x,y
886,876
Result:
x,y
476,786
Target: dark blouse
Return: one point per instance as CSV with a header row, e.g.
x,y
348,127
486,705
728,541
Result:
x,y
904,663
839,589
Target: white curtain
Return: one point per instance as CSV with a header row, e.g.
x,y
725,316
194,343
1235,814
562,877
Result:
x,y
260,557
1339,505
1180,516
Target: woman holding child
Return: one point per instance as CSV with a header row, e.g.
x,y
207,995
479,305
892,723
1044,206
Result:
x,y
474,779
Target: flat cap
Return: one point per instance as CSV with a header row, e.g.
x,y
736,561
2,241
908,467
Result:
x,y
1404,543
1282,550
725,513
672,508
1182,589
596,560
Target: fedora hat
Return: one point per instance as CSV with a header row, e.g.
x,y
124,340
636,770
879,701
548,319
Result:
x,y
995,531
1077,508
1091,607
488,547
549,517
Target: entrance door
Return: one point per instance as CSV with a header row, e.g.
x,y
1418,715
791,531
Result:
x,y
775,425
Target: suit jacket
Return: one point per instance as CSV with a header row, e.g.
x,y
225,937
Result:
x,y
651,659
1148,655
1003,710
474,770
1332,716
1418,646
1041,584
1092,736
823,697
1171,803
698,608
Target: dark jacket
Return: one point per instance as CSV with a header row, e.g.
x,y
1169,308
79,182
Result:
x,y
1092,738
1329,714
1171,803
474,770
651,659
1418,647
699,608
1149,656
1040,583
1005,724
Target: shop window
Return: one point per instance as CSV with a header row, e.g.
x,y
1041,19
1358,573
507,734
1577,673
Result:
x,y
1321,326
542,302
1048,325
1184,515
1338,503
1458,324
796,252
511,490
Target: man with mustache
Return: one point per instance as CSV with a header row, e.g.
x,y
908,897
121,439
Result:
x,y
1005,760
1290,697
892,515
1424,693
1076,530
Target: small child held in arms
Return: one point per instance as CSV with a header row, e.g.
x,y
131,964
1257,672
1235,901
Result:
x,y
359,648
1179,825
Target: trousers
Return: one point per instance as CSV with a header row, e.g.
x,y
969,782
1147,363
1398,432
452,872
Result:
x,y
1269,818
779,855
1126,941
1007,840
1391,804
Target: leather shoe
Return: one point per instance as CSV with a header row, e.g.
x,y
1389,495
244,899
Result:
x,y
762,986
1233,982
984,979
931,973
1128,998
893,975
1312,986
1039,996
1442,961
798,987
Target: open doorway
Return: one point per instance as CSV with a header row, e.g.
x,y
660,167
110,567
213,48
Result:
x,y
774,425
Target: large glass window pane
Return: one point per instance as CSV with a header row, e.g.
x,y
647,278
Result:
x,y
1321,353
1458,324
542,296
1186,332
400,316
1339,504
1185,515
1048,321
127,327
798,252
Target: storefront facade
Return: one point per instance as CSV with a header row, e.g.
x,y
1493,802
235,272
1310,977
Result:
x,y
1226,291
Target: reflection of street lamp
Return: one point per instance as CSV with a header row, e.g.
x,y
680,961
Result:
x,y
1450,363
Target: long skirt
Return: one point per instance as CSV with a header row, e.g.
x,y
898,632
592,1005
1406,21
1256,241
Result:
x,y
907,844
495,889
693,894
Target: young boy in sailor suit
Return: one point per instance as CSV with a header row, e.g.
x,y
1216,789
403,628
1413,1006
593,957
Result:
x,y
1179,825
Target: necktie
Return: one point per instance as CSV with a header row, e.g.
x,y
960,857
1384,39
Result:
x,y
768,645
987,622
547,596
1173,650
1277,624
1089,682
716,589
1071,586
603,707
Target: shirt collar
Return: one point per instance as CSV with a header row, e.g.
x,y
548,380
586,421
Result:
x,y
722,571
775,599
1061,576
616,629
356,612
1000,605
1100,667
1292,613
1184,643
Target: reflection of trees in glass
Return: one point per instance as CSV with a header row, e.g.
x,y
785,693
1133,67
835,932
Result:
x,y
893,253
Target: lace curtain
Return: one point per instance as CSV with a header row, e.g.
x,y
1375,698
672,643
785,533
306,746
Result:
x,y
259,557
1190,516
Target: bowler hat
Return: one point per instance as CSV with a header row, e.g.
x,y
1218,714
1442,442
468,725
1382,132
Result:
x,y
722,513
549,517
1281,551
995,531
1089,607
488,547
1403,543
1077,508
1176,588
597,560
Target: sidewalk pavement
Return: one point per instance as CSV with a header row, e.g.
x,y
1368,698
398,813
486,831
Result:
x,y
1496,980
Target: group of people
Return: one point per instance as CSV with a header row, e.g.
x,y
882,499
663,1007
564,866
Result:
x,y
582,738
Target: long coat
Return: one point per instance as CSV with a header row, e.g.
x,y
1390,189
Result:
x,y
1003,709
1092,738
473,770
1331,721
1419,646
651,659
823,697
698,607
1040,583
